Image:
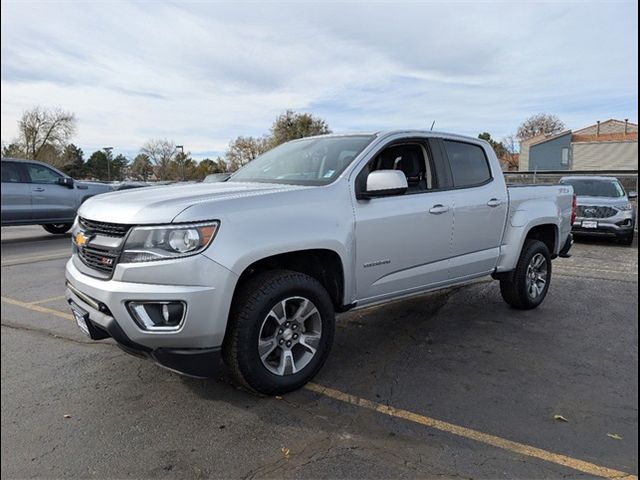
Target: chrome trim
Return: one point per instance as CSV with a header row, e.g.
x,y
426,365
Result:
x,y
140,324
171,226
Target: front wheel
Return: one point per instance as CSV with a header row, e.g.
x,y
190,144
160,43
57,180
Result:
x,y
280,332
528,285
57,228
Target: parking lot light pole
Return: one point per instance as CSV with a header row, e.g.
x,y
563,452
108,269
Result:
x,y
108,152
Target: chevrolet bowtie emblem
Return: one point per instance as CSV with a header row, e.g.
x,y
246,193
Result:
x,y
81,239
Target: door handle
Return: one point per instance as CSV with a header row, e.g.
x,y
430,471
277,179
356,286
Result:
x,y
439,209
38,189
494,202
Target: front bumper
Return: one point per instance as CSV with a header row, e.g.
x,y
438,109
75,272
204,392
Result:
x,y
195,362
200,335
620,225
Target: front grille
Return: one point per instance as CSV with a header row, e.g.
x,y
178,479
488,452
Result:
x,y
101,259
98,259
596,212
104,228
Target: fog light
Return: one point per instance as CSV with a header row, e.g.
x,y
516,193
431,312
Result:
x,y
158,315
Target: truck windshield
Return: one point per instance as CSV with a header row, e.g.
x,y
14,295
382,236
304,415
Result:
x,y
585,187
312,161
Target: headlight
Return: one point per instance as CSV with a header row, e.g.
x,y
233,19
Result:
x,y
147,244
625,208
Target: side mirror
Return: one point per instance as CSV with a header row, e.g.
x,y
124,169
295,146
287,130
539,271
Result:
x,y
66,182
632,195
384,183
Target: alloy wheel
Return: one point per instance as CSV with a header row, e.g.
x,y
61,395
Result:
x,y
290,336
537,275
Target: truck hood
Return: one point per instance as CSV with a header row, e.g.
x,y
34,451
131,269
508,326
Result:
x,y
602,201
161,204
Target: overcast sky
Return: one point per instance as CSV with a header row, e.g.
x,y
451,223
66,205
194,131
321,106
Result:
x,y
203,73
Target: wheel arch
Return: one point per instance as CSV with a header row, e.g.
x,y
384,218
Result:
x,y
543,229
547,233
324,265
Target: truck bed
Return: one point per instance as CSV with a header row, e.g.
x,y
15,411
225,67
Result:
x,y
531,205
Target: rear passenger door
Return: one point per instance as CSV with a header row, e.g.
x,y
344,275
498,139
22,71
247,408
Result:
x,y
479,207
16,195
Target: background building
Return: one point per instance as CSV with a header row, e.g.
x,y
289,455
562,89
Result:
x,y
608,145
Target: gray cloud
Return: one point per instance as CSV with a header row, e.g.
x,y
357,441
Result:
x,y
204,73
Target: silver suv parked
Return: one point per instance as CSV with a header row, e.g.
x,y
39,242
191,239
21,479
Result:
x,y
604,208
34,193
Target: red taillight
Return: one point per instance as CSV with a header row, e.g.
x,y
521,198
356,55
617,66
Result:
x,y
574,209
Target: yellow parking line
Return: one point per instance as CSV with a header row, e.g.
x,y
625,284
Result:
x,y
488,439
37,308
47,300
602,270
31,259
498,442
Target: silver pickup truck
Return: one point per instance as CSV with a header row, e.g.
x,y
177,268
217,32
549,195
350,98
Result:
x,y
256,267
35,193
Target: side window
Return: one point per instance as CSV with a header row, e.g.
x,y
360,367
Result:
x,y
565,156
42,174
412,158
11,172
469,164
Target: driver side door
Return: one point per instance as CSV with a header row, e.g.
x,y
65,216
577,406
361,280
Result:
x,y
403,242
50,201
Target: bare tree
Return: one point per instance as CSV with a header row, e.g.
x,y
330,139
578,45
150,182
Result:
x,y
160,152
244,149
510,159
44,131
541,123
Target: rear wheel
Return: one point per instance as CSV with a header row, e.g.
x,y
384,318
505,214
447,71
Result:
x,y
57,228
280,332
528,285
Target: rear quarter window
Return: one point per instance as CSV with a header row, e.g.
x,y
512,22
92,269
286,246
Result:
x,y
11,172
469,164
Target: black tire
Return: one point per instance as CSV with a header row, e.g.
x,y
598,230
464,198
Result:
x,y
626,240
57,228
515,290
253,303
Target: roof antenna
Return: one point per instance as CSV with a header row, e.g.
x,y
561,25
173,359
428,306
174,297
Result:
x,y
434,122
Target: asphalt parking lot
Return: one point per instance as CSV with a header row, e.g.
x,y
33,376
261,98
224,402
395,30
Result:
x,y
449,384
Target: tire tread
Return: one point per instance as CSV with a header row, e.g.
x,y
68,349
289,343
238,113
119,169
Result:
x,y
513,290
246,305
